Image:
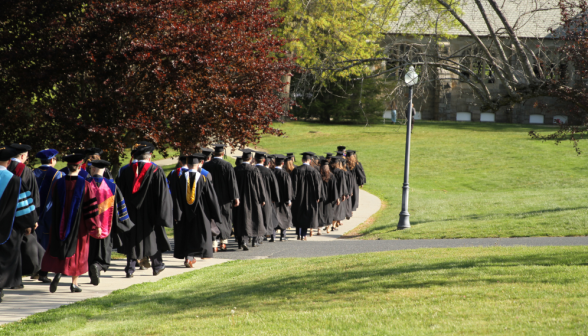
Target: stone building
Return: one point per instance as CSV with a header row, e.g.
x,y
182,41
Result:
x,y
444,96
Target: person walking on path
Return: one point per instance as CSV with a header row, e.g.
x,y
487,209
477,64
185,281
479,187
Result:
x,y
150,208
284,206
73,217
307,190
18,218
249,215
272,196
113,219
198,206
226,190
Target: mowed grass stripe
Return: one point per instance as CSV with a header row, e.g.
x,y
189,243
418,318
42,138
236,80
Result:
x,y
498,290
467,180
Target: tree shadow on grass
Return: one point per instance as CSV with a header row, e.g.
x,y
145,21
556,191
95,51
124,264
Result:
x,y
264,285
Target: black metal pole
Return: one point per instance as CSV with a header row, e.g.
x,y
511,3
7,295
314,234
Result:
x,y
404,221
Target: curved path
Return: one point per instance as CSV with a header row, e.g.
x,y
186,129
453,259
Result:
x,y
35,297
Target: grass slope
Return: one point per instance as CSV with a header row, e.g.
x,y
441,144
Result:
x,y
516,291
466,179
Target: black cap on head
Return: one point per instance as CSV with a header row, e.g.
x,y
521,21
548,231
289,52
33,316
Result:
x,y
75,159
279,159
291,156
339,153
20,148
324,162
207,151
192,159
143,147
93,151
100,164
329,155
219,148
182,158
247,153
260,155
340,148
77,151
238,160
7,153
307,155
350,151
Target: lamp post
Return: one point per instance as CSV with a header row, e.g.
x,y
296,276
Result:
x,y
411,79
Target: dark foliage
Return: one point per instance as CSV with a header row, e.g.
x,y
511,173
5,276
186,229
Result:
x,y
106,73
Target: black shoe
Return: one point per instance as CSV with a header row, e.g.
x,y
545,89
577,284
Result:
x,y
240,244
44,279
21,286
1,293
159,270
254,242
298,237
35,276
94,275
75,289
271,240
129,275
245,247
55,283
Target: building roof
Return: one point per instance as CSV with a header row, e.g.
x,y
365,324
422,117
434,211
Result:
x,y
529,18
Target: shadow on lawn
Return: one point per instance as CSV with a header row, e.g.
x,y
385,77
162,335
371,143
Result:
x,y
374,229
486,127
261,286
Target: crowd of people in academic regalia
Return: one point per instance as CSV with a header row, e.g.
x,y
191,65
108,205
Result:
x,y
68,222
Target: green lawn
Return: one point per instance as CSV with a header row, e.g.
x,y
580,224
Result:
x,y
466,179
476,291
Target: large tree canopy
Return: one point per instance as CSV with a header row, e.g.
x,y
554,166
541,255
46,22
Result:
x,y
178,72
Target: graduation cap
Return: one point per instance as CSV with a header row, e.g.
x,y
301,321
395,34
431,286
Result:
x,y
247,153
238,160
47,154
182,158
340,148
100,164
207,151
329,155
75,159
143,147
291,156
93,151
192,159
324,162
20,148
7,153
219,148
307,155
78,151
321,157
340,153
279,158
260,155
350,151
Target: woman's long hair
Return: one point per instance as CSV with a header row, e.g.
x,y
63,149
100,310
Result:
x,y
341,166
325,173
351,161
289,166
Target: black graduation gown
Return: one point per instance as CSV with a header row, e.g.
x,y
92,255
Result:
x,y
339,210
32,252
226,190
360,179
195,219
172,180
307,190
272,196
150,208
283,211
101,249
17,214
351,187
248,216
329,201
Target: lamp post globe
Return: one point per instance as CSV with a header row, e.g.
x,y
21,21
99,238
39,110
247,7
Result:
x,y
411,78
